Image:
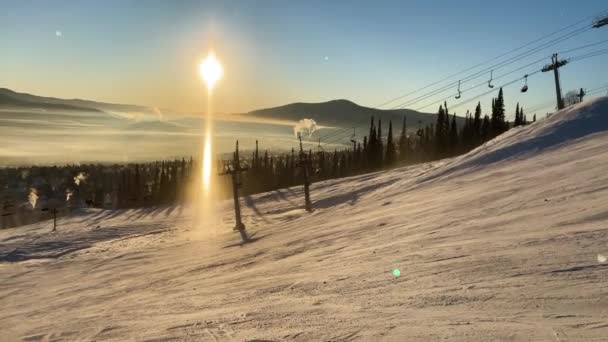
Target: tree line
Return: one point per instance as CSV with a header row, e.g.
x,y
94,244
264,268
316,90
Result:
x,y
379,150
157,183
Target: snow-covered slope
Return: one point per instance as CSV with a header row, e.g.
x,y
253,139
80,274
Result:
x,y
566,126
505,243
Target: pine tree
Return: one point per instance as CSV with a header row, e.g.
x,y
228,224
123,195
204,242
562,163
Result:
x,y
378,155
464,132
446,128
440,131
371,144
256,158
517,120
493,116
173,183
403,141
334,166
477,124
500,112
486,129
136,186
183,178
391,152
453,134
266,160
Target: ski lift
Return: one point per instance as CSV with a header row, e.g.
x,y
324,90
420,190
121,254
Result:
x,y
490,85
525,87
353,138
459,92
581,94
319,147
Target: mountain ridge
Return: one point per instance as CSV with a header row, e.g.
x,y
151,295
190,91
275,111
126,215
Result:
x,y
340,111
79,103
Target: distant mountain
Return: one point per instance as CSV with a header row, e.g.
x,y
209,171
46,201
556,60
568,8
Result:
x,y
10,98
7,101
345,113
338,113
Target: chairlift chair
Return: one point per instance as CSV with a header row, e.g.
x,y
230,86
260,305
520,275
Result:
x,y
490,85
353,138
525,87
419,132
459,92
319,147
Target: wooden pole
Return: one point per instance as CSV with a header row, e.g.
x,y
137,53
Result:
x,y
304,167
233,170
555,65
558,89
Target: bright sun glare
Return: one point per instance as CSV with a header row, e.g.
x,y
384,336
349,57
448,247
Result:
x,y
211,70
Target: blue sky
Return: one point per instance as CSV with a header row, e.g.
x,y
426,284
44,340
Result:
x,y
276,52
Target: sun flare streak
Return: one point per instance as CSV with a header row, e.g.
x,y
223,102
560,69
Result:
x,y
210,71
207,163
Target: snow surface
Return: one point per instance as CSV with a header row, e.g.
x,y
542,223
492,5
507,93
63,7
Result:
x,y
505,243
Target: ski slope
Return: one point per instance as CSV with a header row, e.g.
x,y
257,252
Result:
x,y
506,243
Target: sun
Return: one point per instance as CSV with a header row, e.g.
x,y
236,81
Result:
x,y
210,70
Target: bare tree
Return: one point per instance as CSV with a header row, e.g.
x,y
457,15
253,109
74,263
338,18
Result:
x,y
571,98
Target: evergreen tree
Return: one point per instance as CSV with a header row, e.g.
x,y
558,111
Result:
x,y
371,144
136,186
378,155
486,128
403,141
453,134
173,183
493,115
365,153
256,158
477,124
517,120
446,128
391,152
440,131
183,177
500,112
335,169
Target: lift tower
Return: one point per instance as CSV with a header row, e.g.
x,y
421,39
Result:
x,y
555,65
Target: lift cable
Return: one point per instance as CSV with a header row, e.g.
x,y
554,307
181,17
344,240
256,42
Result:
x,y
576,58
586,19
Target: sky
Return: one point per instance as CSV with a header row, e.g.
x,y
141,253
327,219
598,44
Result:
x,y
278,52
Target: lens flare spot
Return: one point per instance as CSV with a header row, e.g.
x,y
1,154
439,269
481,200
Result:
x,y
396,272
